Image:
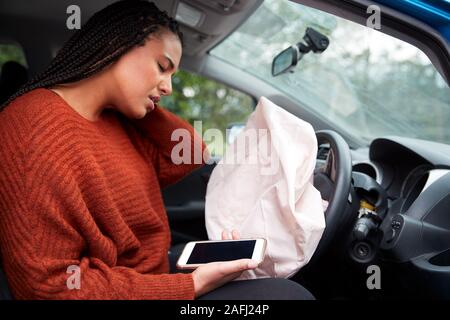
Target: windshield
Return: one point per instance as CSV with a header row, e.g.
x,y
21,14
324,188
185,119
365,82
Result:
x,y
366,83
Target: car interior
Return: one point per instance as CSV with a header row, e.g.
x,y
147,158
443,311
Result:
x,y
389,200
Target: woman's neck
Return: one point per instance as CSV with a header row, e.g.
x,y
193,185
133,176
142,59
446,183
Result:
x,y
87,97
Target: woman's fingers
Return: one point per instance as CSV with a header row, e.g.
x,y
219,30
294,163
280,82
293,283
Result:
x,y
225,235
235,266
234,235
212,275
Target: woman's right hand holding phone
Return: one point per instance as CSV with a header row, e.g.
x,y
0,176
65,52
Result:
x,y
215,274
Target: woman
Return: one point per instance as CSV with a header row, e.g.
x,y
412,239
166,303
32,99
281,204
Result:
x,y
85,150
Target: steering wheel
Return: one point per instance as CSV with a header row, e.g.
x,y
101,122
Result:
x,y
333,181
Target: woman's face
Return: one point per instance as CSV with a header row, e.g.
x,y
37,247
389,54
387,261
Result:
x,y
144,74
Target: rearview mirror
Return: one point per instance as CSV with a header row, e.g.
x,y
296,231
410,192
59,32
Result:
x,y
285,61
288,58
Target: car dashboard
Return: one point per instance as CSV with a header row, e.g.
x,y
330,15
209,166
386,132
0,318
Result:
x,y
404,167
414,231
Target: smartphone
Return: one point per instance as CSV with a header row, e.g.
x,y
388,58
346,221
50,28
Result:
x,y
196,253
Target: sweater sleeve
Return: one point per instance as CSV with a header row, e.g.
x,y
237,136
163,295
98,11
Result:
x,y
43,225
171,144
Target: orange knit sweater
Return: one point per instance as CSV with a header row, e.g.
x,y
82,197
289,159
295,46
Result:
x,y
88,195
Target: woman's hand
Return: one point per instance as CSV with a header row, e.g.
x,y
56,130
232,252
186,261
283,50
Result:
x,y
215,274
234,234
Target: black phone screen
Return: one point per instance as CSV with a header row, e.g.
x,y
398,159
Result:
x,y
221,251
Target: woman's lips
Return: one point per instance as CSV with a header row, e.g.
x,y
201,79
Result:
x,y
153,102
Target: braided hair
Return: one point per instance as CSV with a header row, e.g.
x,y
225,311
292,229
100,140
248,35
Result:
x,y
105,37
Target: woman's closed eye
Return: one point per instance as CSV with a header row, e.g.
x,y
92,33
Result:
x,y
161,68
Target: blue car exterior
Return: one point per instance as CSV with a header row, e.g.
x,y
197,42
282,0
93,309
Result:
x,y
435,13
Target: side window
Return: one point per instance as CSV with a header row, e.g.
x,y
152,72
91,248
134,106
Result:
x,y
14,72
217,106
12,52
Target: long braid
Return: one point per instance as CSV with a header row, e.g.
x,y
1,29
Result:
x,y
105,37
